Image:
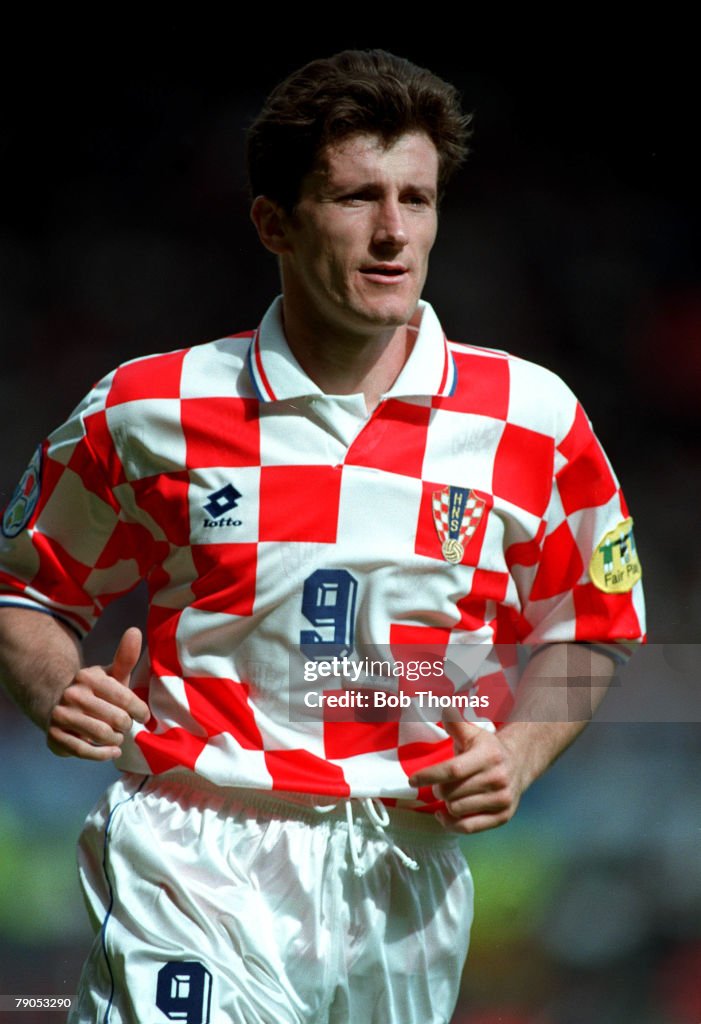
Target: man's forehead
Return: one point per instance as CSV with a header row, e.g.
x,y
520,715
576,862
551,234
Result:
x,y
364,152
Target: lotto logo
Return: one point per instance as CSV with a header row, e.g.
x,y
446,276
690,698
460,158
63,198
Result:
x,y
222,501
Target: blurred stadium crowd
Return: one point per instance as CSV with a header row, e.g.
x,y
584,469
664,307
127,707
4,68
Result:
x,y
572,238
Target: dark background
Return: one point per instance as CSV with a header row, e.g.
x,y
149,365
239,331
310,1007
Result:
x,y
571,237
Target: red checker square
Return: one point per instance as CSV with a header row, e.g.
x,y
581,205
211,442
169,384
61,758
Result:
x,y
348,739
510,627
586,481
175,748
482,385
523,468
221,705
220,432
10,583
100,440
473,611
415,756
526,552
299,503
83,463
161,631
165,498
153,377
131,540
60,576
51,473
498,692
604,617
226,577
489,584
303,772
507,655
561,566
394,440
428,541
426,638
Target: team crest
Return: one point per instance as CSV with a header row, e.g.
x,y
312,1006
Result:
x,y
24,498
615,566
457,512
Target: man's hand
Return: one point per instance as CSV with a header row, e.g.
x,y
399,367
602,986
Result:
x,y
97,709
480,785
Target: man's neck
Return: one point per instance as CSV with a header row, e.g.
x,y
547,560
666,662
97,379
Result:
x,y
343,364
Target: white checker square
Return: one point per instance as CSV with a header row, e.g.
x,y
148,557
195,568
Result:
x,y
92,520
286,437
224,504
382,526
539,400
213,370
223,760
461,448
148,435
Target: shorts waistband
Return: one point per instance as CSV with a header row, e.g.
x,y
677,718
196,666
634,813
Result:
x,y
413,827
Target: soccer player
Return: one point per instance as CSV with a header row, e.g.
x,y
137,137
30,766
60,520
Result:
x,y
340,481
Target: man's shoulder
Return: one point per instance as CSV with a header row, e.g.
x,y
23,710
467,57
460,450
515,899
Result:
x,y
499,381
203,370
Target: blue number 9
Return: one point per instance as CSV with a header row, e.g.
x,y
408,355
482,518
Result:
x,y
184,991
328,602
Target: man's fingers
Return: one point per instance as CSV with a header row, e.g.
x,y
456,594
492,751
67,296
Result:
x,y
126,656
97,720
464,736
104,697
125,659
66,744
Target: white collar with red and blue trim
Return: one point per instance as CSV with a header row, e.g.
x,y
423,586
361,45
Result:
x,y
276,374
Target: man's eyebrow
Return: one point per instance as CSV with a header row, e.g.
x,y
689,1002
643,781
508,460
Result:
x,y
369,183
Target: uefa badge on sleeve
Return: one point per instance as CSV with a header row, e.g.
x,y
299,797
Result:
x,y
24,498
457,512
615,566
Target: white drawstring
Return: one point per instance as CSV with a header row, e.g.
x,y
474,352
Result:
x,y
379,822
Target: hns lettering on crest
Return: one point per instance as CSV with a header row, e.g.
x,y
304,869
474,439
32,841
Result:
x,y
24,498
615,566
184,992
457,512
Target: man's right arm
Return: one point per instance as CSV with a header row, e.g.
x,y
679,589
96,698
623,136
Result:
x,y
84,711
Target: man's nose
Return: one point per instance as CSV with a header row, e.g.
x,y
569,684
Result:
x,y
390,228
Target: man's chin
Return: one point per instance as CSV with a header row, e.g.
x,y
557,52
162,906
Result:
x,y
390,315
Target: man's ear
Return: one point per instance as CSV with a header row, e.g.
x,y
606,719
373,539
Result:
x,y
271,224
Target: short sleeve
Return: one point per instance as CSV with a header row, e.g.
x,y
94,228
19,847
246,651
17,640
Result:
x,y
585,584
66,548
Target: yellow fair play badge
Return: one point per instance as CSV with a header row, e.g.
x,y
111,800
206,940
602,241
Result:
x,y
615,566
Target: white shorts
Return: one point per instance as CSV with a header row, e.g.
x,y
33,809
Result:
x,y
216,906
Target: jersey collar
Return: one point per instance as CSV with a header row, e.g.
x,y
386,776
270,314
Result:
x,y
276,374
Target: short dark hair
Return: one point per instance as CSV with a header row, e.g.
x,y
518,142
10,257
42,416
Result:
x,y
368,91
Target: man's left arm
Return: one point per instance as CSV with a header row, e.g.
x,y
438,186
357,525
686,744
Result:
x,y
482,783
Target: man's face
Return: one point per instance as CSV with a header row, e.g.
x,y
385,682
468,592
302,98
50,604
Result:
x,y
359,239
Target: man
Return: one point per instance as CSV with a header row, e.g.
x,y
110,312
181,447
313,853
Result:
x,y
342,480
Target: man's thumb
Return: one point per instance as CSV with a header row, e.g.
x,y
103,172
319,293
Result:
x,y
127,655
462,733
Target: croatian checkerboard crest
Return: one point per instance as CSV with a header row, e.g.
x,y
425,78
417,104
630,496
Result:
x,y
457,512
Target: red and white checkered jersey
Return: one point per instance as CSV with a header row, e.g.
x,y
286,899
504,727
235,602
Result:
x,y
270,520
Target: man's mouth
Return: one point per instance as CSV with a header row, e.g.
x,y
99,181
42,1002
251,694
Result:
x,y
384,271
